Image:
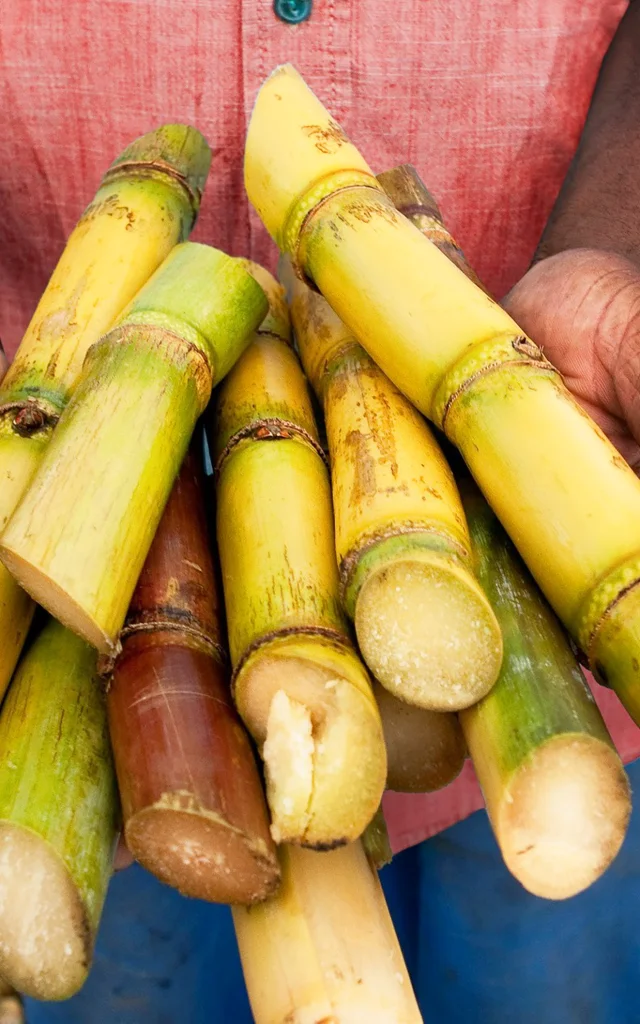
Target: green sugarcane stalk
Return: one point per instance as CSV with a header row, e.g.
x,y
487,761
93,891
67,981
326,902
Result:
x,y
79,537
146,203
554,786
58,816
376,842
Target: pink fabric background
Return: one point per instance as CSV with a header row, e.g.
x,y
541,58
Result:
x,y
486,97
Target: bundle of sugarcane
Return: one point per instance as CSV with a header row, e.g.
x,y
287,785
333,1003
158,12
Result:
x,y
193,807
463,362
324,947
58,815
147,202
424,626
554,786
402,546
81,533
125,366
298,683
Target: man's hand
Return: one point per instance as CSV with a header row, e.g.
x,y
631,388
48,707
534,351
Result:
x,y
582,307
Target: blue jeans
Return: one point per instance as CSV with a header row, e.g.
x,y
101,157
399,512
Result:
x,y
480,949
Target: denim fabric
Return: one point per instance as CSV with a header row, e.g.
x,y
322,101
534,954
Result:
x,y
480,949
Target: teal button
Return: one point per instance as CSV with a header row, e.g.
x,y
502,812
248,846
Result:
x,y
293,11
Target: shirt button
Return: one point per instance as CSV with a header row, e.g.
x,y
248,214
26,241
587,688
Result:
x,y
293,11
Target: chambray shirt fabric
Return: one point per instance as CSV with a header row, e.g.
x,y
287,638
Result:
x,y
486,98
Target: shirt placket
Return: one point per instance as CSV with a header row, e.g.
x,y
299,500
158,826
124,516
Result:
x,y
318,46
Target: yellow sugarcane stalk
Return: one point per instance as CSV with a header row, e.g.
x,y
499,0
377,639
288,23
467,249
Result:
x,y
298,684
424,626
566,497
79,537
146,203
11,1005
324,949
555,789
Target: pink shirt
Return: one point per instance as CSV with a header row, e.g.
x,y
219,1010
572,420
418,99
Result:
x,y
486,97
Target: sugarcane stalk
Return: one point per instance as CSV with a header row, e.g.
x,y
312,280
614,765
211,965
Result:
x,y
425,749
554,786
538,742
16,607
192,801
324,949
569,501
424,627
146,203
298,684
78,540
376,843
539,728
11,1005
58,816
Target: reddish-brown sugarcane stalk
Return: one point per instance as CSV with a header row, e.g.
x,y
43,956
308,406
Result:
x,y
193,807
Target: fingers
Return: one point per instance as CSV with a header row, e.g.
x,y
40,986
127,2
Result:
x,y
582,307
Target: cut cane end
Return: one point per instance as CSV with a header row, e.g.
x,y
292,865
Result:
x,y
292,143
11,1010
425,749
322,744
202,856
428,634
58,602
288,752
45,938
565,816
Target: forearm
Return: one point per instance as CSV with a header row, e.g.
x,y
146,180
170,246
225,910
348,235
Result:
x,y
599,203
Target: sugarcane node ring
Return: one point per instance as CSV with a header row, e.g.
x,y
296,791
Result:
x,y
332,635
29,417
480,361
152,167
269,429
354,565
174,151
195,637
307,205
274,335
192,350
